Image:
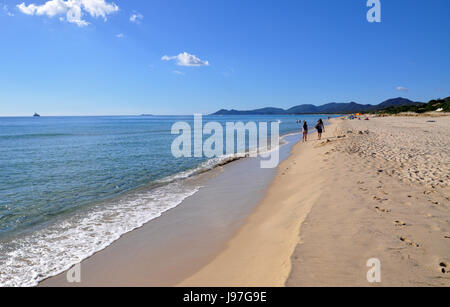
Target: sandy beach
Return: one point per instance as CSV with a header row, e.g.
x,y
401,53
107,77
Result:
x,y
369,189
184,239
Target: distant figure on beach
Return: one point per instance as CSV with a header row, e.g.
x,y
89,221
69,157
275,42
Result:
x,y
305,131
320,128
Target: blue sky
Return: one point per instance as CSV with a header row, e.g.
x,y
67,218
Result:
x,y
122,57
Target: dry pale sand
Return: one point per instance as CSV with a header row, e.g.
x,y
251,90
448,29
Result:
x,y
372,189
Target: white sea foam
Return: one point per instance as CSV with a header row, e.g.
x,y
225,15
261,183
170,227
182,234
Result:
x,y
32,258
48,252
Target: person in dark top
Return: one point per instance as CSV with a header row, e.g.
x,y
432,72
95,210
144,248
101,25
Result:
x,y
320,128
305,131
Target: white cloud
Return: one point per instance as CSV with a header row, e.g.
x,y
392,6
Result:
x,y
120,35
402,89
186,59
73,10
136,18
177,72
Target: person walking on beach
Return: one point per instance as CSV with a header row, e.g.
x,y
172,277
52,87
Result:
x,y
320,128
305,131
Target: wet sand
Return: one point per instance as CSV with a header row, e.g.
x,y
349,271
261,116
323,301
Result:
x,y
183,240
259,255
370,189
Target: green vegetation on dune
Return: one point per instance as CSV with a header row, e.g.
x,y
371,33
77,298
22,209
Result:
x,y
433,105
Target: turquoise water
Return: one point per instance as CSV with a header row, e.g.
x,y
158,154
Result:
x,y
70,186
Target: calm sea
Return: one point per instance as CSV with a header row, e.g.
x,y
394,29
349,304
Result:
x,y
70,186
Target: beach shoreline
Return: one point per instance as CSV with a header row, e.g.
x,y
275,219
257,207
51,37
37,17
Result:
x,y
374,189
200,226
259,254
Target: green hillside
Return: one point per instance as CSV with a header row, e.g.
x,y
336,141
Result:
x,y
433,105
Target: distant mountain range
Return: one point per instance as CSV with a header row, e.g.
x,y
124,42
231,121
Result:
x,y
330,108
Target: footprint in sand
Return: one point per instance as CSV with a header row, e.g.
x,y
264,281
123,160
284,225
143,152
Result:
x,y
380,199
409,242
382,210
444,267
400,223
